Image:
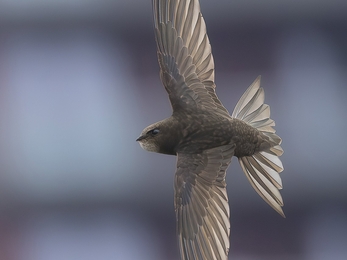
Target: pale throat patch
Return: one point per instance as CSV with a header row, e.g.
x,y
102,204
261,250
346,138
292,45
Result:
x,y
151,147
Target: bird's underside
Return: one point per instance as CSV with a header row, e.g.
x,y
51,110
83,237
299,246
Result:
x,y
204,148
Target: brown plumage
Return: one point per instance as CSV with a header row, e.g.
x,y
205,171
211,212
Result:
x,y
204,136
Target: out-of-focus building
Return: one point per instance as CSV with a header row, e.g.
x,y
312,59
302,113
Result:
x,y
79,81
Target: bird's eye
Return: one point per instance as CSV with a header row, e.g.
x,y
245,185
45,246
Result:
x,y
154,131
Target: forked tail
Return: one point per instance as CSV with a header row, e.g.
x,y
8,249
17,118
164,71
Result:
x,y
262,168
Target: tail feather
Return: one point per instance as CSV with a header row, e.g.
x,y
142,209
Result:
x,y
249,101
276,150
262,168
265,188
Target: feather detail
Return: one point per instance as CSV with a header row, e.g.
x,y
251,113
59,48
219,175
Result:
x,y
262,168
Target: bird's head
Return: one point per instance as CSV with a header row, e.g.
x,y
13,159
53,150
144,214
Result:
x,y
151,137
160,137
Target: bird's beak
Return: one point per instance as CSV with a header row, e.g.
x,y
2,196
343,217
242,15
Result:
x,y
140,138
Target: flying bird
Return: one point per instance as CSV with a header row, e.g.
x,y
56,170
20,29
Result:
x,y
203,135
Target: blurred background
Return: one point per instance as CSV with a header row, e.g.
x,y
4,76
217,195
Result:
x,y
78,83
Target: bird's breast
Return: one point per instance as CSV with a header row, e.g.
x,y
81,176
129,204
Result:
x,y
201,132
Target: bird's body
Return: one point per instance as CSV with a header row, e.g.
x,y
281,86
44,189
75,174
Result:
x,y
186,133
204,136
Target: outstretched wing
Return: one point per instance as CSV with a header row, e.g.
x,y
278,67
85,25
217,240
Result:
x,y
201,204
184,54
